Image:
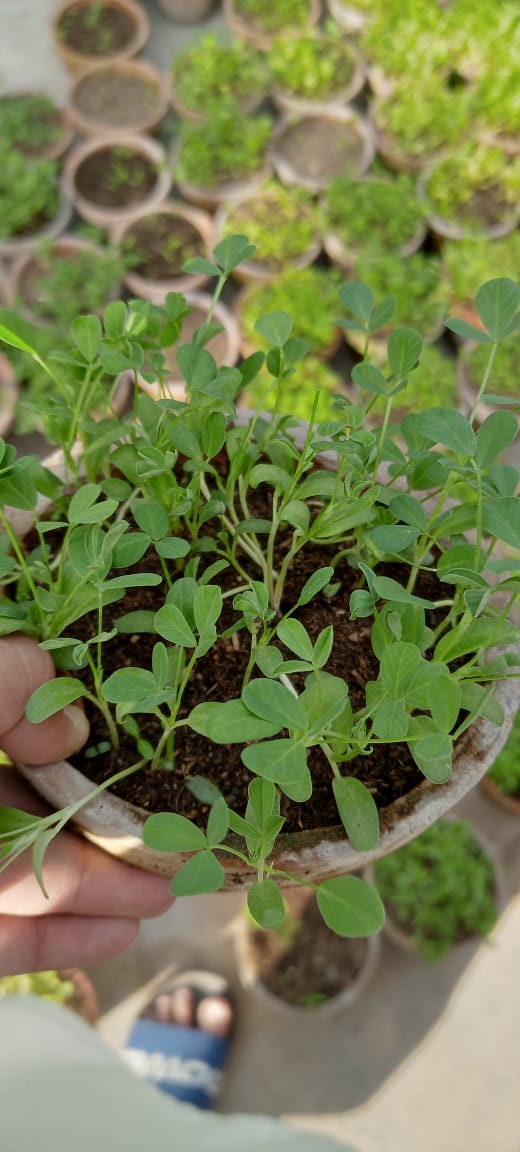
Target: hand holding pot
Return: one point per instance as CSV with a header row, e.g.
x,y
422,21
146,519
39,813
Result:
x,y
95,902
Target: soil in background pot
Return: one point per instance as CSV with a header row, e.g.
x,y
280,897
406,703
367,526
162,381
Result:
x,y
321,148
115,177
116,98
95,29
161,244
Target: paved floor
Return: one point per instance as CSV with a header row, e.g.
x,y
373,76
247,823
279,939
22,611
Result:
x,y
429,1059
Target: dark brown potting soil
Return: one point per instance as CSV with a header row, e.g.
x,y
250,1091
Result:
x,y
96,29
118,100
305,963
161,245
318,148
116,177
487,206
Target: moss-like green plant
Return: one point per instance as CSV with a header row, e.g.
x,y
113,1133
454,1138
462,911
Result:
x,y
296,392
415,282
505,772
49,985
469,262
422,117
476,184
211,72
281,222
29,121
440,888
379,214
311,293
66,286
229,145
504,378
313,67
274,18
28,194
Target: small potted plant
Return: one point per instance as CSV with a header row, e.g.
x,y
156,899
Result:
x,y
473,191
418,118
114,179
282,223
371,214
264,636
314,72
89,32
502,782
127,96
158,244
464,262
414,283
31,207
440,890
69,986
210,72
64,278
312,150
303,968
311,292
297,391
259,22
32,124
224,159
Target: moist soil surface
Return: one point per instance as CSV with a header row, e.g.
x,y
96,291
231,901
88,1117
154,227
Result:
x,y
115,177
117,100
389,771
305,963
322,149
162,244
95,29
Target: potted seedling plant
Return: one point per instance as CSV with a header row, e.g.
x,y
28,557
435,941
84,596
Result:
x,y
31,123
311,292
303,968
259,22
376,214
224,159
474,191
158,244
126,96
414,283
456,878
210,73
201,578
502,782
89,32
282,223
66,277
315,71
31,207
70,987
113,180
417,120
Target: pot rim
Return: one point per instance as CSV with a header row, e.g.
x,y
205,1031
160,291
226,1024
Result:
x,y
78,61
143,69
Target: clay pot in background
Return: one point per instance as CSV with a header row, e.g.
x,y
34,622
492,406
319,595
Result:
x,y
311,150
191,224
79,180
126,96
134,32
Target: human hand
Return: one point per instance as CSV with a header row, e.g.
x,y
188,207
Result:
x,y
95,901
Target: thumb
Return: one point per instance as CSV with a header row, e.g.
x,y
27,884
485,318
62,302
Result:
x,y
53,739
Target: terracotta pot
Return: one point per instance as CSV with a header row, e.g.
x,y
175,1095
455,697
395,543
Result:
x,y
225,348
156,290
77,61
27,266
16,245
454,230
116,825
295,145
230,192
108,217
350,18
56,149
256,271
242,934
143,117
9,391
187,11
293,105
245,30
505,801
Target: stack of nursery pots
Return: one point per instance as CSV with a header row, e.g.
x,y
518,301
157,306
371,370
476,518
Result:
x,y
303,660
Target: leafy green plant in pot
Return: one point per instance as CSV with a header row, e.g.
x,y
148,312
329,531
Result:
x,y
312,293
31,123
223,159
502,783
474,190
378,214
456,879
311,71
468,262
282,223
419,119
228,548
210,73
259,22
31,208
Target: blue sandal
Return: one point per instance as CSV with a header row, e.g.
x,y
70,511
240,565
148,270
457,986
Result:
x,y
168,1045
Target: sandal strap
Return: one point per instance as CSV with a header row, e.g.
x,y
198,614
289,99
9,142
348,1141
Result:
x,y
185,1062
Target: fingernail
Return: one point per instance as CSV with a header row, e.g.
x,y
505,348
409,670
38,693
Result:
x,y
78,721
